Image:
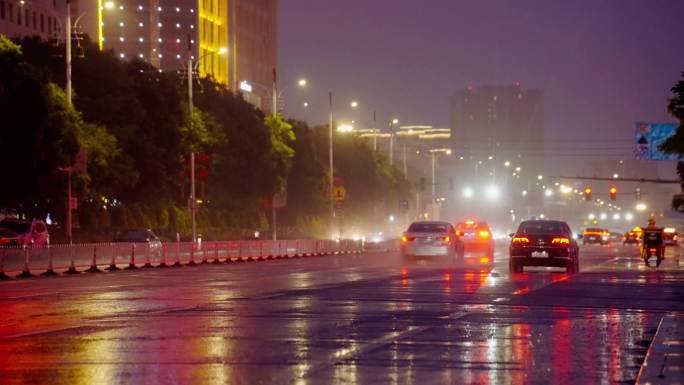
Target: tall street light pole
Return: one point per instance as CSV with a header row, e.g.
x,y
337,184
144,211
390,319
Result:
x,y
193,198
68,50
274,112
330,159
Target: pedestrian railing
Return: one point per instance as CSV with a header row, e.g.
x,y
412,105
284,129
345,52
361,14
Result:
x,y
29,261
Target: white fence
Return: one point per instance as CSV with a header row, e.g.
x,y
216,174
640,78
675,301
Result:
x,y
113,256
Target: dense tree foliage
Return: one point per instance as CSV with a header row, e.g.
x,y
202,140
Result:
x,y
675,144
138,130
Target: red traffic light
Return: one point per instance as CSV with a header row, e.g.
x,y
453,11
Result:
x,y
613,193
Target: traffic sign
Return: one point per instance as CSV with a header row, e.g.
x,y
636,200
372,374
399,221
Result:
x,y
339,193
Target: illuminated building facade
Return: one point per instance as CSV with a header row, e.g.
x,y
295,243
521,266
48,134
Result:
x,y
43,18
166,33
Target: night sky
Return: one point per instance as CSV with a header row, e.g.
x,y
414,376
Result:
x,y
602,64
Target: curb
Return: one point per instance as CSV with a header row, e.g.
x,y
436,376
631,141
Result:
x,y
664,362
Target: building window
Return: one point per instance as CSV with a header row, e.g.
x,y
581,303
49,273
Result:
x,y
2,9
19,16
35,24
27,22
49,25
42,23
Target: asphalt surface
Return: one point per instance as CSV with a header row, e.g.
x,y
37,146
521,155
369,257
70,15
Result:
x,y
353,319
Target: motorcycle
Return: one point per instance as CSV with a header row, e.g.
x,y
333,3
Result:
x,y
653,246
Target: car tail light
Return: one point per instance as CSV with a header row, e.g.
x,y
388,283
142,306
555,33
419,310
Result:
x,y
520,240
560,241
484,260
483,234
406,239
652,249
446,239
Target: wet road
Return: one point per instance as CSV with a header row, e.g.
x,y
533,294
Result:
x,y
359,319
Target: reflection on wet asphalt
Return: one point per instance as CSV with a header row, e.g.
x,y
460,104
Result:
x,y
340,320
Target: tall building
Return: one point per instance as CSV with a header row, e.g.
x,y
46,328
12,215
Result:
x,y
505,121
43,18
167,33
254,36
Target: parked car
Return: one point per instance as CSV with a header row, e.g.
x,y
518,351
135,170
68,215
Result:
x,y
19,232
543,243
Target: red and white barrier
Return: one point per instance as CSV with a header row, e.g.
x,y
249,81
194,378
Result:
x,y
95,257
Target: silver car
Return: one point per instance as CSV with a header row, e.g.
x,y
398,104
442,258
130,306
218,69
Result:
x,y
431,239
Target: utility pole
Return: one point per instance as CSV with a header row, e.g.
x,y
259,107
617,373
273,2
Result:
x,y
433,175
68,51
330,159
405,169
193,198
375,134
274,111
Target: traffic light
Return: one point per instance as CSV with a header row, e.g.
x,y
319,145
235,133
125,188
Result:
x,y
587,193
613,193
637,194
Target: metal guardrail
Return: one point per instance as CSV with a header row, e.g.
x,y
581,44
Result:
x,y
95,257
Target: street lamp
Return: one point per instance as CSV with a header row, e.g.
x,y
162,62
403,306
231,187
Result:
x,y
354,104
302,82
394,122
468,192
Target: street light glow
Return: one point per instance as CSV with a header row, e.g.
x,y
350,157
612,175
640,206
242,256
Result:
x,y
223,51
616,175
591,216
629,216
641,206
507,164
395,121
109,5
616,216
302,82
345,128
468,192
492,192
306,104
603,216
548,193
524,193
354,104
540,177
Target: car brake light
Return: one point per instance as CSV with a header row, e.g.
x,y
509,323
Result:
x,y
560,241
520,240
470,222
406,239
484,260
652,249
483,234
446,239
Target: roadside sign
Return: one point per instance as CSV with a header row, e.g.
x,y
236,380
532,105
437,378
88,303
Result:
x,y
339,193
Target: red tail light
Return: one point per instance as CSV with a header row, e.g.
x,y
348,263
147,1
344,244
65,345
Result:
x,y
652,249
484,260
561,241
406,239
446,239
483,234
520,240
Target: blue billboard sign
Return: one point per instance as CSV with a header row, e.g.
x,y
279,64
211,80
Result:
x,y
649,137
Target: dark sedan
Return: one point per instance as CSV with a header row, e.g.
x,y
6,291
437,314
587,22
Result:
x,y
543,243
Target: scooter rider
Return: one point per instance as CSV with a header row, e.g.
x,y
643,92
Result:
x,y
652,228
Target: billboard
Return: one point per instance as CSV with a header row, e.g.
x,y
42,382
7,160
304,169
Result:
x,y
649,137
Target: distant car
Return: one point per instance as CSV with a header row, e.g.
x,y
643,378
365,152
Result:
x,y
633,236
476,236
595,235
614,236
141,236
376,242
670,236
19,232
543,243
431,239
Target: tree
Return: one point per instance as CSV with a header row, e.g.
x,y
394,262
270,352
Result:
x,y
675,143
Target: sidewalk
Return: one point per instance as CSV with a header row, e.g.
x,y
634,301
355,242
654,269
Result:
x,y
664,362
